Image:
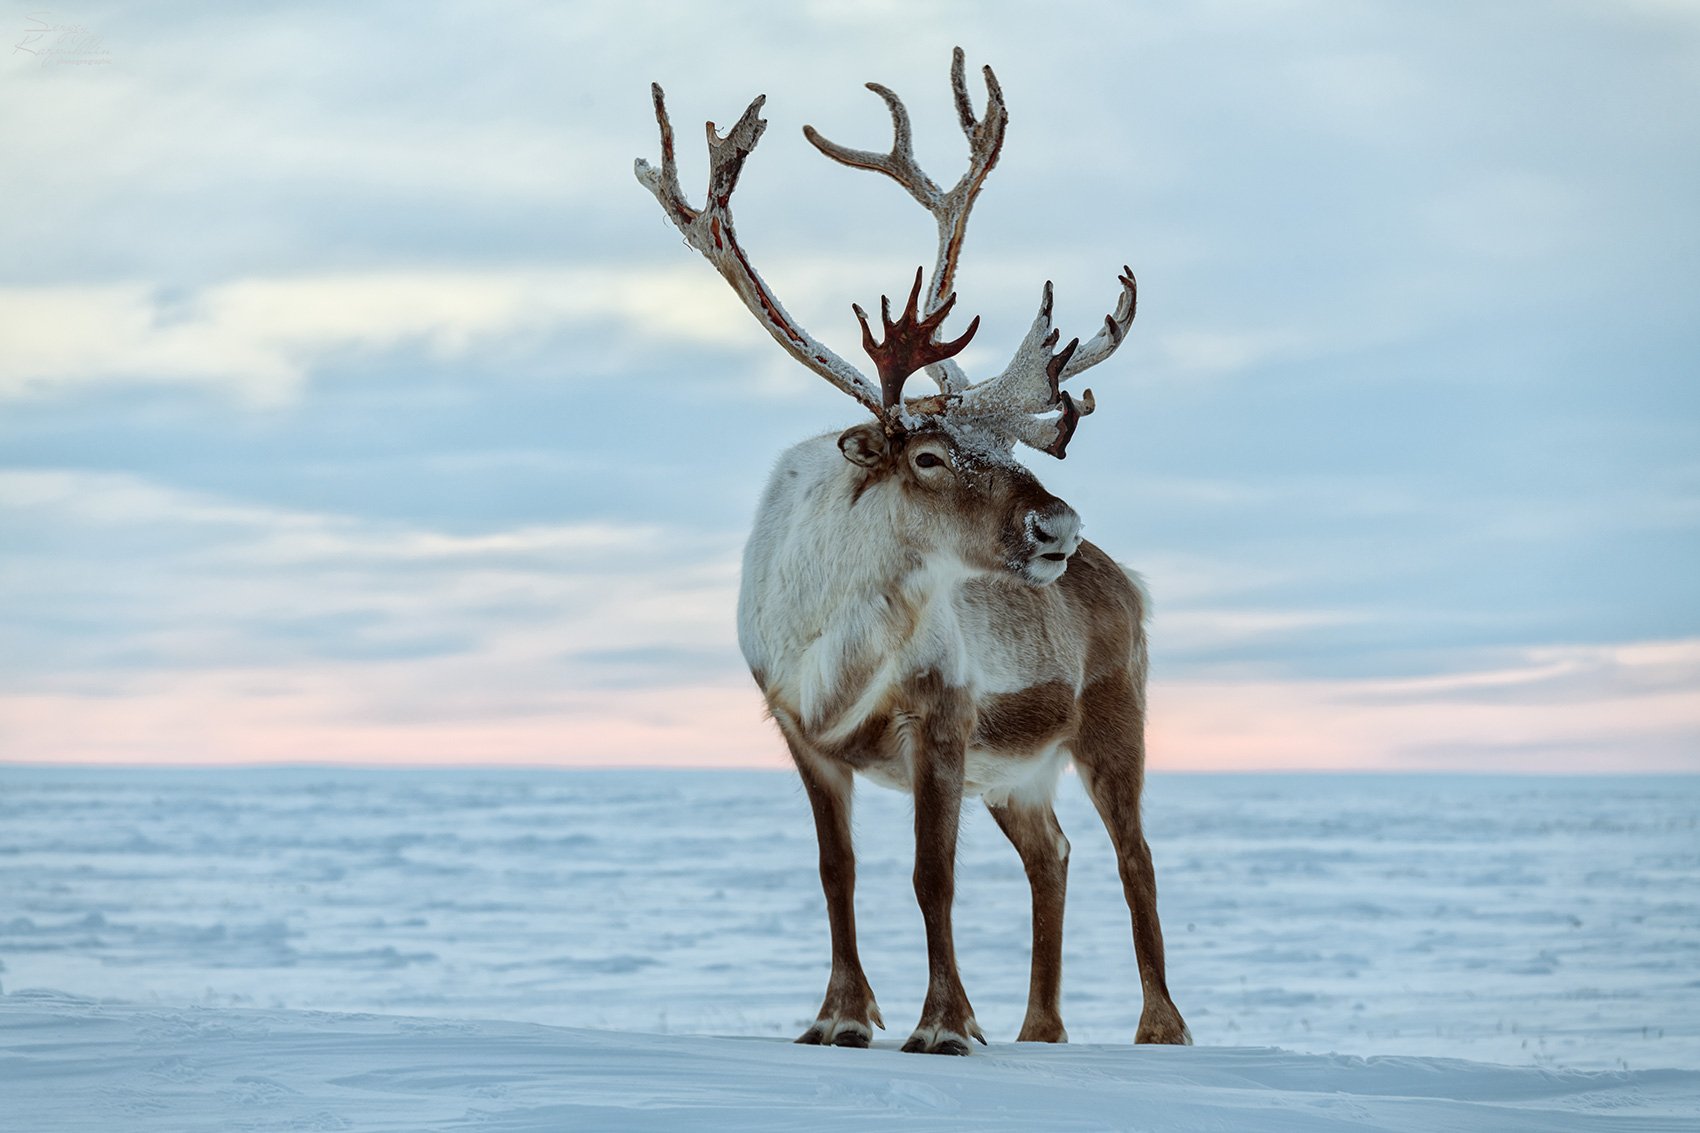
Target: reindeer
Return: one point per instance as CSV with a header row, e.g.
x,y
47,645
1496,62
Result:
x,y
916,608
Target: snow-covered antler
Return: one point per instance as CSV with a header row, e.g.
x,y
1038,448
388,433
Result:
x,y
709,231
1012,403
950,209
1023,403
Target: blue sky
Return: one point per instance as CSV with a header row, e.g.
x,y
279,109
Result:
x,y
356,403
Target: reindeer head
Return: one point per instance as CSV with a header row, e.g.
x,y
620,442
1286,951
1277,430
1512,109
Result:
x,y
948,492
971,428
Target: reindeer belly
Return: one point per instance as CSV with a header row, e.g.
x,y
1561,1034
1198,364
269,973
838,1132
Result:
x,y
1019,743
996,776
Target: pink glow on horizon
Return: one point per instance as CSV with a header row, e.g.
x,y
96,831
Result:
x,y
686,727
1586,709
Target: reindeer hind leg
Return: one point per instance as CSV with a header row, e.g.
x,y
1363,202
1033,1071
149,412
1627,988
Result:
x,y
1111,761
1037,836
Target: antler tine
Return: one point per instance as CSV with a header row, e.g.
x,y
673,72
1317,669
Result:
x,y
950,209
910,341
1116,324
985,142
709,231
1029,383
669,175
964,106
899,164
1011,402
1050,435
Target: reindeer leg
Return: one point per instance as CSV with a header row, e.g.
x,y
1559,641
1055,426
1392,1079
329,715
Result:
x,y
937,756
1111,759
849,1004
1038,838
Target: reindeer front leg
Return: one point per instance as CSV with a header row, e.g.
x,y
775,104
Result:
x,y
938,750
849,1005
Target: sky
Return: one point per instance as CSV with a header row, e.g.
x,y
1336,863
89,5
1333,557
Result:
x,y
358,405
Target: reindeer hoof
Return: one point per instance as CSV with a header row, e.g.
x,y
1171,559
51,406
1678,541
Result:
x,y
836,1032
1172,1031
936,1040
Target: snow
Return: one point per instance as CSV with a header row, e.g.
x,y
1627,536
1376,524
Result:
x,y
70,1064
311,948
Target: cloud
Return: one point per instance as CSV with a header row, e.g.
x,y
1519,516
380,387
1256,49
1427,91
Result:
x,y
1623,707
1557,675
277,635
1211,353
251,587
321,327
253,633
1509,215
325,715
259,340
1216,628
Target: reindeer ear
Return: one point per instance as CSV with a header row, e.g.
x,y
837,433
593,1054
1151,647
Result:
x,y
863,444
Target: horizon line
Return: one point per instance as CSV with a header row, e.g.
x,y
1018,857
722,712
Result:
x,y
508,768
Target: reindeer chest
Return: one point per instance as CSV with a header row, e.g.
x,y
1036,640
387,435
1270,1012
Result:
x,y
943,639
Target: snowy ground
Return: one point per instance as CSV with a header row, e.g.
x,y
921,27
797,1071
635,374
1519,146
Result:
x,y
73,1065
196,928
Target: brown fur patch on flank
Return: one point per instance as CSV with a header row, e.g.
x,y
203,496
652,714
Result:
x,y
1028,720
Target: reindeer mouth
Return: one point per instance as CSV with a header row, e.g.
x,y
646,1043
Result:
x,y
1052,536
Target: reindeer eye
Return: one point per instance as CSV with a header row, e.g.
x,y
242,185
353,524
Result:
x,y
927,460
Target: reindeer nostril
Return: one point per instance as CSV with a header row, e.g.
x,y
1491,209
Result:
x,y
1042,536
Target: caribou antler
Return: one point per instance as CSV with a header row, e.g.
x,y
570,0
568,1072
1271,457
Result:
x,y
709,231
1010,402
1116,323
1029,385
949,209
1023,403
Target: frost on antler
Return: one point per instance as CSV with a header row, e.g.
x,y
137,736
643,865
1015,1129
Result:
x,y
1030,385
950,209
1024,403
709,230
1116,324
